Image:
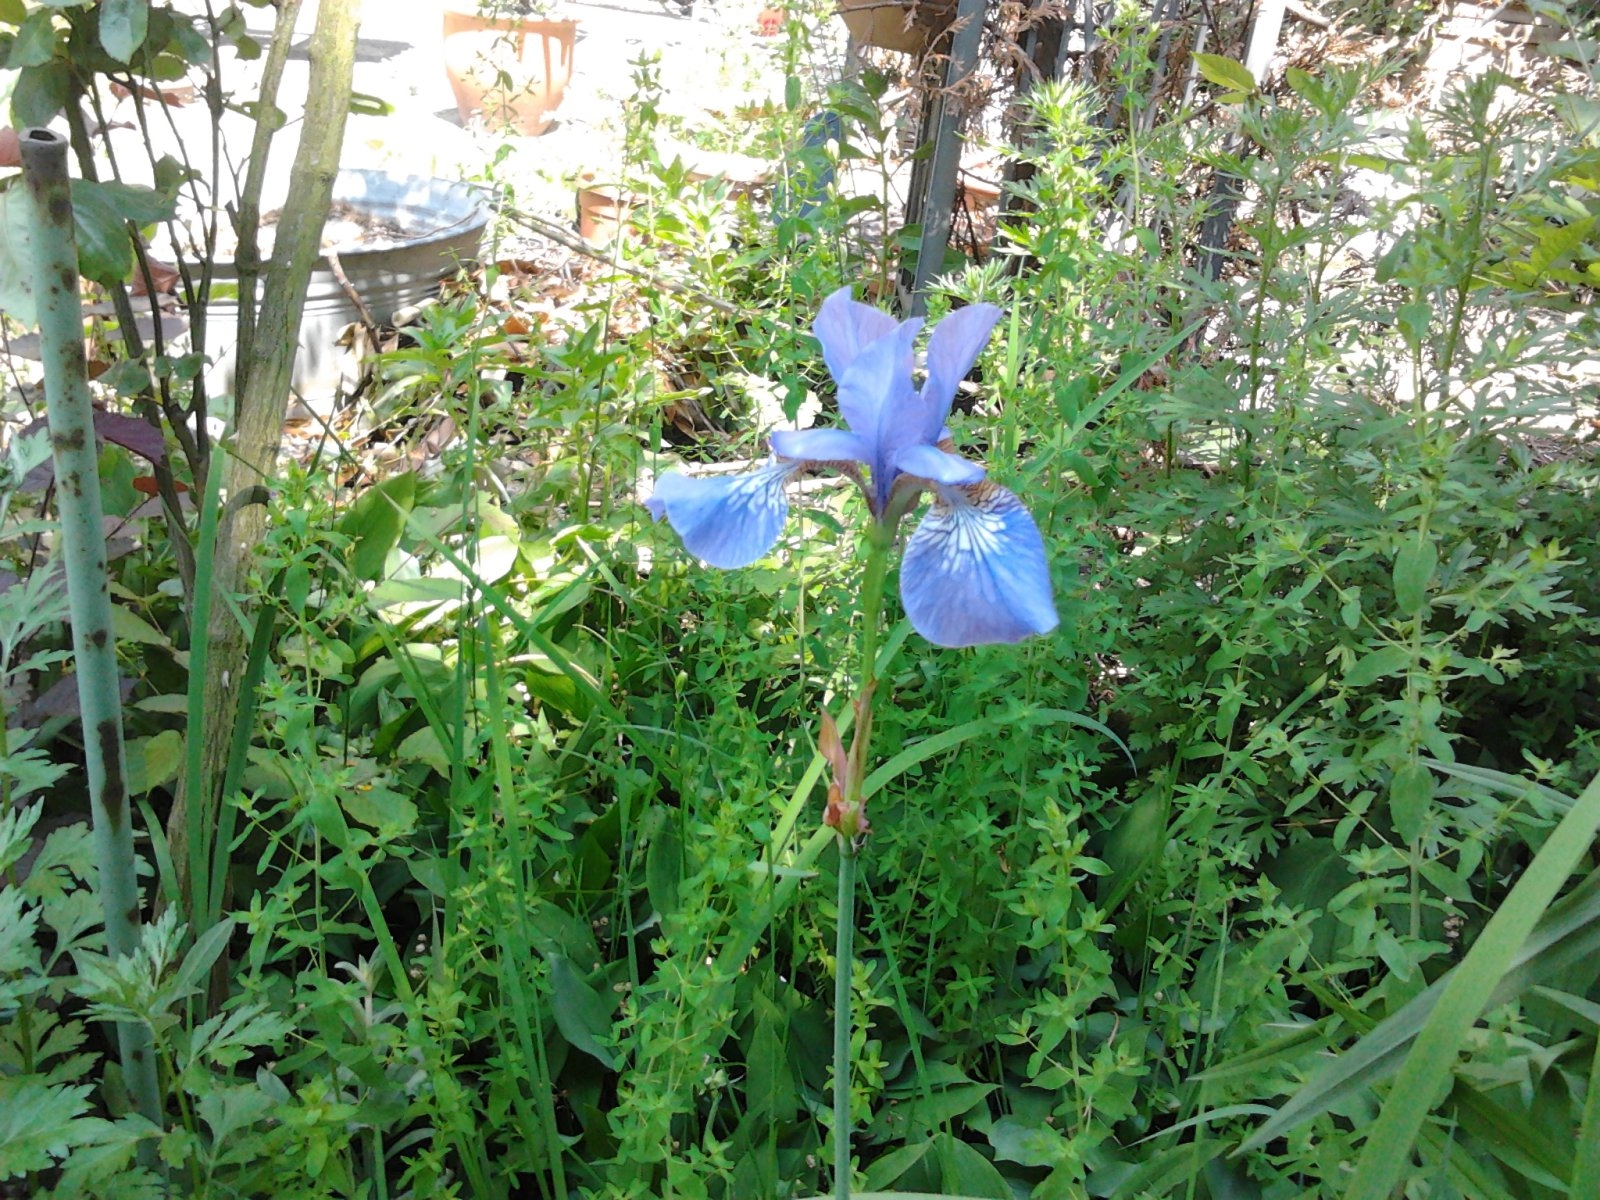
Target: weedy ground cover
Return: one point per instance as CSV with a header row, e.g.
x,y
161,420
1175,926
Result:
x,y
1268,872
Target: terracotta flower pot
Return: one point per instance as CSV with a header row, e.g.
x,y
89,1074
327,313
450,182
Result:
x,y
513,71
909,26
603,210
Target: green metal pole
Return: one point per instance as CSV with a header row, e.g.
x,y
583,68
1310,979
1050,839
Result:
x,y
946,114
83,547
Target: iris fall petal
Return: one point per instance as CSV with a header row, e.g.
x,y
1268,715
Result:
x,y
725,520
974,572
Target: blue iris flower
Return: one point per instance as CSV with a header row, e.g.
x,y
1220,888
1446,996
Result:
x,y
974,572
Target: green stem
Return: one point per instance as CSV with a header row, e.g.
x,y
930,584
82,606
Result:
x,y
844,969
880,541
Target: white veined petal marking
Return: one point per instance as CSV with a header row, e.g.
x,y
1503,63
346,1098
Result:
x,y
965,532
760,493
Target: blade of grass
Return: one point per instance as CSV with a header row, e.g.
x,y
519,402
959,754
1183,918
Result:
x,y
1387,1153
190,861
1568,932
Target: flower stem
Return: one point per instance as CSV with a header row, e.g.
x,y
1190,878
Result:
x,y
844,960
880,541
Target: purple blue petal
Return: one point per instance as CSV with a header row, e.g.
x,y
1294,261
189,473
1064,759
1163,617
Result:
x,y
845,327
974,572
876,394
726,521
953,346
934,465
821,445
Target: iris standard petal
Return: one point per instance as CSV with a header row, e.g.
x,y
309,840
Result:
x,y
953,346
725,520
875,395
845,328
934,465
821,445
974,572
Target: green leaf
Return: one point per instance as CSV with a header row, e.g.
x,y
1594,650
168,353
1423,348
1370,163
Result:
x,y
1557,244
380,808
769,1082
374,523
207,948
1410,794
1028,1143
1414,319
1580,113
1133,844
663,868
1510,1137
441,876
154,761
16,837
949,738
893,1166
1225,73
38,1125
296,586
1470,987
227,1110
1526,937
1378,664
101,212
963,1169
123,25
16,258
1568,933
1350,609
13,12
129,626
1586,1163
424,746
40,93
327,820
926,1113
35,42
1413,572
582,1014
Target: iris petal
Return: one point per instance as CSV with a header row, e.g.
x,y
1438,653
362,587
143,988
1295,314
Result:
x,y
875,394
934,465
953,346
846,327
975,573
821,445
725,520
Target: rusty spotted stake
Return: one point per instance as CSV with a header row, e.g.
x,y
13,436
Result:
x,y
66,386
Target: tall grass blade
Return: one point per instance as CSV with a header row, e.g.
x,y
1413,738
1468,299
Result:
x,y
1503,953
1568,932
